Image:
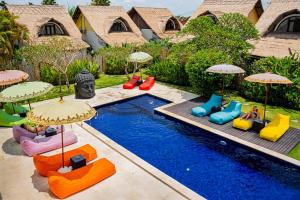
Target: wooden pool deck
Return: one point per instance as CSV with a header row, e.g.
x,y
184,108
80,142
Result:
x,y
283,146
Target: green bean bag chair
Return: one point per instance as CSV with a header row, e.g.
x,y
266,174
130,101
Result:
x,y
9,108
8,120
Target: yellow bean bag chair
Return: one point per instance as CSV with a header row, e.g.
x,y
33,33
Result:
x,y
246,124
276,128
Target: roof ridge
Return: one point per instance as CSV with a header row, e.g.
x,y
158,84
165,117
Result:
x,y
26,5
148,7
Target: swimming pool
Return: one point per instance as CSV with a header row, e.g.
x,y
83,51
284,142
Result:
x,y
214,168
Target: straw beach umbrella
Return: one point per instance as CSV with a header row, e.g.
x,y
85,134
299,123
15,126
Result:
x,y
25,91
268,79
225,69
9,77
60,112
139,57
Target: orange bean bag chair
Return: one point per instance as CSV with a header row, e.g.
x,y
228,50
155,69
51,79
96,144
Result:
x,y
44,164
132,83
64,185
147,85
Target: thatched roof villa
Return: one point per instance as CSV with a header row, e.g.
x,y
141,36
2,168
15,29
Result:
x,y
252,9
279,28
106,25
155,23
45,21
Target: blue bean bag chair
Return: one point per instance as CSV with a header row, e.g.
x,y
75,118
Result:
x,y
232,111
205,109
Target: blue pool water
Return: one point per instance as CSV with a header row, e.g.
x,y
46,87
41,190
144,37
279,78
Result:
x,y
213,168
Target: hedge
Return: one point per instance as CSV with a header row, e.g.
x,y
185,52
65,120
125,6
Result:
x,y
50,75
283,95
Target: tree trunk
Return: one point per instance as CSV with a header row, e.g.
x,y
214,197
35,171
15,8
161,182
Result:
x,y
37,72
67,81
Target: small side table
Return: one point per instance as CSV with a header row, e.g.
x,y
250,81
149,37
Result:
x,y
50,132
216,109
78,161
258,125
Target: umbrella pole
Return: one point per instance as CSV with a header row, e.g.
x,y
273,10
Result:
x,y
29,104
266,100
222,89
62,146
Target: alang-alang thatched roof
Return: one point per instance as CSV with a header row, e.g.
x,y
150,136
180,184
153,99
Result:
x,y
35,16
101,19
273,43
219,7
157,19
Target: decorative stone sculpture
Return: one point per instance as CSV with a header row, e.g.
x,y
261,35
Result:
x,y
84,85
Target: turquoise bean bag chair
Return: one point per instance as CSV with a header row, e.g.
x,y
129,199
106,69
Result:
x,y
205,109
8,120
9,108
232,111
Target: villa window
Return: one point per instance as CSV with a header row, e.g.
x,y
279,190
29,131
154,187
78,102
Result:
x,y
51,28
172,24
289,24
213,17
119,25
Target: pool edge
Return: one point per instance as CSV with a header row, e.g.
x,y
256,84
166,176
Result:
x,y
263,150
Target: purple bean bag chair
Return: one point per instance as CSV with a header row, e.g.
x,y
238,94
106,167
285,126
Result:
x,y
19,131
37,146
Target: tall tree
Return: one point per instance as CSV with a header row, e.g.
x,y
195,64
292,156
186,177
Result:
x,y
10,33
49,2
100,2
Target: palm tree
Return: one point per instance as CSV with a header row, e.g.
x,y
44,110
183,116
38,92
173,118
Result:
x,y
10,33
49,2
100,2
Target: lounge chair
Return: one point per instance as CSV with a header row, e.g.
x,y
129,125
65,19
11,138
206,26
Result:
x,y
19,131
132,83
232,111
8,120
14,109
64,185
37,146
148,83
246,124
206,108
276,128
44,164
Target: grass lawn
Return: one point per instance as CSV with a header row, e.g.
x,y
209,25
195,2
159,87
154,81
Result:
x,y
102,82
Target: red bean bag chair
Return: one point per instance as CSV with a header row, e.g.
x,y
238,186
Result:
x,y
64,185
148,83
44,164
132,83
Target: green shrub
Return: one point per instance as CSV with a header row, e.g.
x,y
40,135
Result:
x,y
78,65
115,59
50,75
288,96
169,72
202,82
157,49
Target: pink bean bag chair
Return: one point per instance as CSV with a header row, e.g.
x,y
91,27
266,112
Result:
x,y
37,146
19,131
